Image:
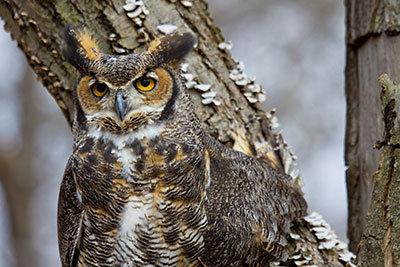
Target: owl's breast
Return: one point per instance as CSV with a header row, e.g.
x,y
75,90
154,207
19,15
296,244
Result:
x,y
96,168
147,195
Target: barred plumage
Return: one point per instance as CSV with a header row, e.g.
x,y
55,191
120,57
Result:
x,y
145,186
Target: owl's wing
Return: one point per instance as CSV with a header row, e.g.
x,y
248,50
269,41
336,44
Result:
x,y
250,208
69,219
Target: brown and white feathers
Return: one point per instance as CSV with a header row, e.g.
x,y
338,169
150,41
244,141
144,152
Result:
x,y
146,186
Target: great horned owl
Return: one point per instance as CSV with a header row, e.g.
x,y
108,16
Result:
x,y
146,186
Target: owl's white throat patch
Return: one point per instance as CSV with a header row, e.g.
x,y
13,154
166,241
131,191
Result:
x,y
121,140
122,143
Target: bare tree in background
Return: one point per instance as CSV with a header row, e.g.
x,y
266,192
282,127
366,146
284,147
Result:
x,y
235,116
18,176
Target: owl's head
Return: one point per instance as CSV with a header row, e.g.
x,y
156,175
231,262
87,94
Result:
x,y
120,93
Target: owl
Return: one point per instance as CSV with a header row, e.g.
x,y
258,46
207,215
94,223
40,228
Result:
x,y
146,186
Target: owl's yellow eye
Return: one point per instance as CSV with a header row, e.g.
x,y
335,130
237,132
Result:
x,y
145,84
99,89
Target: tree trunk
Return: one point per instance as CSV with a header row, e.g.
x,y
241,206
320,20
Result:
x,y
379,245
373,47
233,116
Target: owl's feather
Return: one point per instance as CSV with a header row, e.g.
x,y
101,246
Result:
x,y
80,48
69,215
249,211
172,48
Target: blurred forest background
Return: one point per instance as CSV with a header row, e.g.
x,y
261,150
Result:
x,y
295,48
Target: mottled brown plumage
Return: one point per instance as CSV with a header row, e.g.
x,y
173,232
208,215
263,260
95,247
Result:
x,y
146,186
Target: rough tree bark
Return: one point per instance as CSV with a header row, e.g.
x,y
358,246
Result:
x,y
380,245
373,43
232,116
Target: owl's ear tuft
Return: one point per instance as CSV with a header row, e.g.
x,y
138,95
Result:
x,y
172,48
80,48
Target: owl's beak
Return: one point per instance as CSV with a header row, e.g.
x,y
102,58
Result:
x,y
120,105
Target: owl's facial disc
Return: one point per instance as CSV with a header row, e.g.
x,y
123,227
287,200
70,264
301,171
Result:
x,y
124,108
122,93
148,92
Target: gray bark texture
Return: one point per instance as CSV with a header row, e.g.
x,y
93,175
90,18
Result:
x,y
235,118
380,245
373,42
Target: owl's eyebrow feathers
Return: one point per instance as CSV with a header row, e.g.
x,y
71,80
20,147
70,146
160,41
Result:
x,y
81,50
